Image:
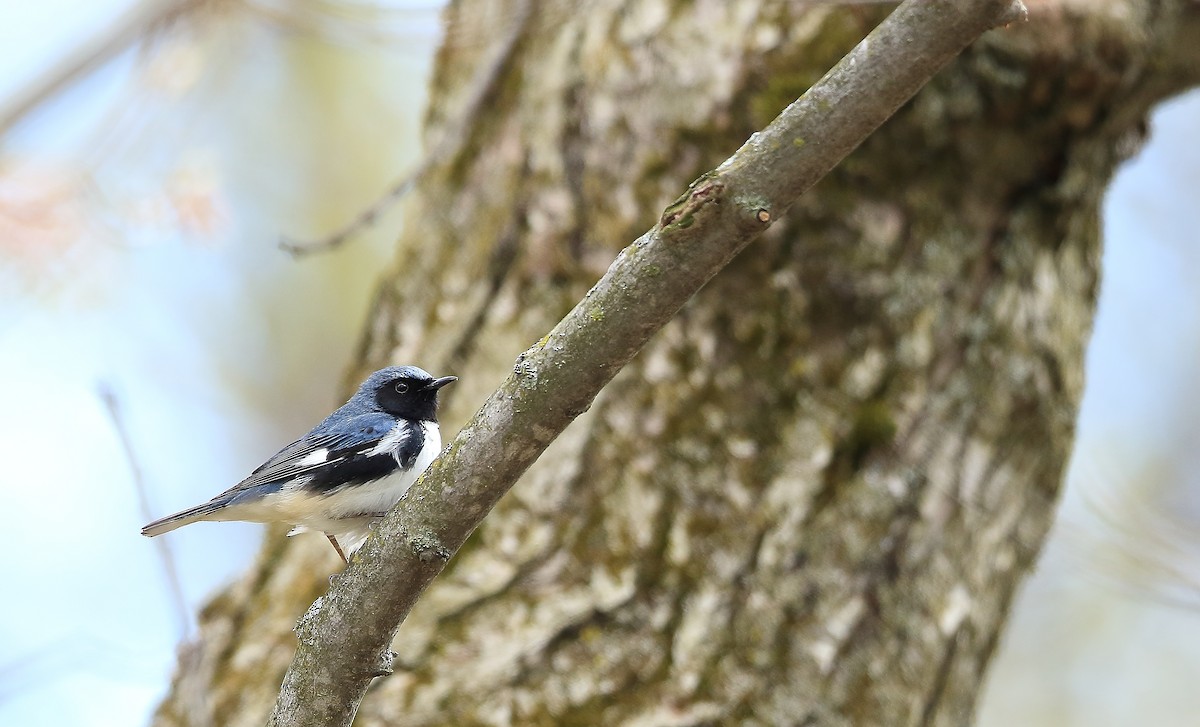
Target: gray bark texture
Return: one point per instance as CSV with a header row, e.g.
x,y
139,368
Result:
x,y
810,499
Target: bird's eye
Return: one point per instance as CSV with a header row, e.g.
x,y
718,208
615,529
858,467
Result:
x,y
401,387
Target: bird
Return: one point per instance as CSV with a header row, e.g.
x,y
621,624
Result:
x,y
346,473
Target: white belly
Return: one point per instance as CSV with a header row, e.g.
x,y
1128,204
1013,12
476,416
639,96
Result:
x,y
345,512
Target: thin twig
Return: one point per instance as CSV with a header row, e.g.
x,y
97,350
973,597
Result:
x,y
482,87
132,27
165,554
558,378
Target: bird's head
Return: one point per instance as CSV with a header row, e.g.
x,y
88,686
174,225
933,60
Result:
x,y
404,391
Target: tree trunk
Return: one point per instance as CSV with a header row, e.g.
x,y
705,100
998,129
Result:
x,y
811,498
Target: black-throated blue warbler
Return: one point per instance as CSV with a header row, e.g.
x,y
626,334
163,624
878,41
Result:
x,y
344,474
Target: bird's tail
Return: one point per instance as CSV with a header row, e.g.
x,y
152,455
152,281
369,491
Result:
x,y
181,518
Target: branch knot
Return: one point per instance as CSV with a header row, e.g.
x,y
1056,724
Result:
x,y
428,548
682,213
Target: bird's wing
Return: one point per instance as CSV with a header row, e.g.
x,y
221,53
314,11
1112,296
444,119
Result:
x,y
325,449
338,451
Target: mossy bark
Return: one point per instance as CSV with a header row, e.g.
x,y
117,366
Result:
x,y
811,498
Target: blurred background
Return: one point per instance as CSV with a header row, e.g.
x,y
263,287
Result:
x,y
156,343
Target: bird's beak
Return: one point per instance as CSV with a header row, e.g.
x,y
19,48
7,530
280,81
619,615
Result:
x,y
439,383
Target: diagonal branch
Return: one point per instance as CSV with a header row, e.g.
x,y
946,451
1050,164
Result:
x,y
343,639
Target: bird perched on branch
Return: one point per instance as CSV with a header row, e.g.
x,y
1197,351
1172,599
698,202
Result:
x,y
344,474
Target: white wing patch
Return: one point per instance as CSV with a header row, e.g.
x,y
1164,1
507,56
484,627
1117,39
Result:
x,y
317,456
392,441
